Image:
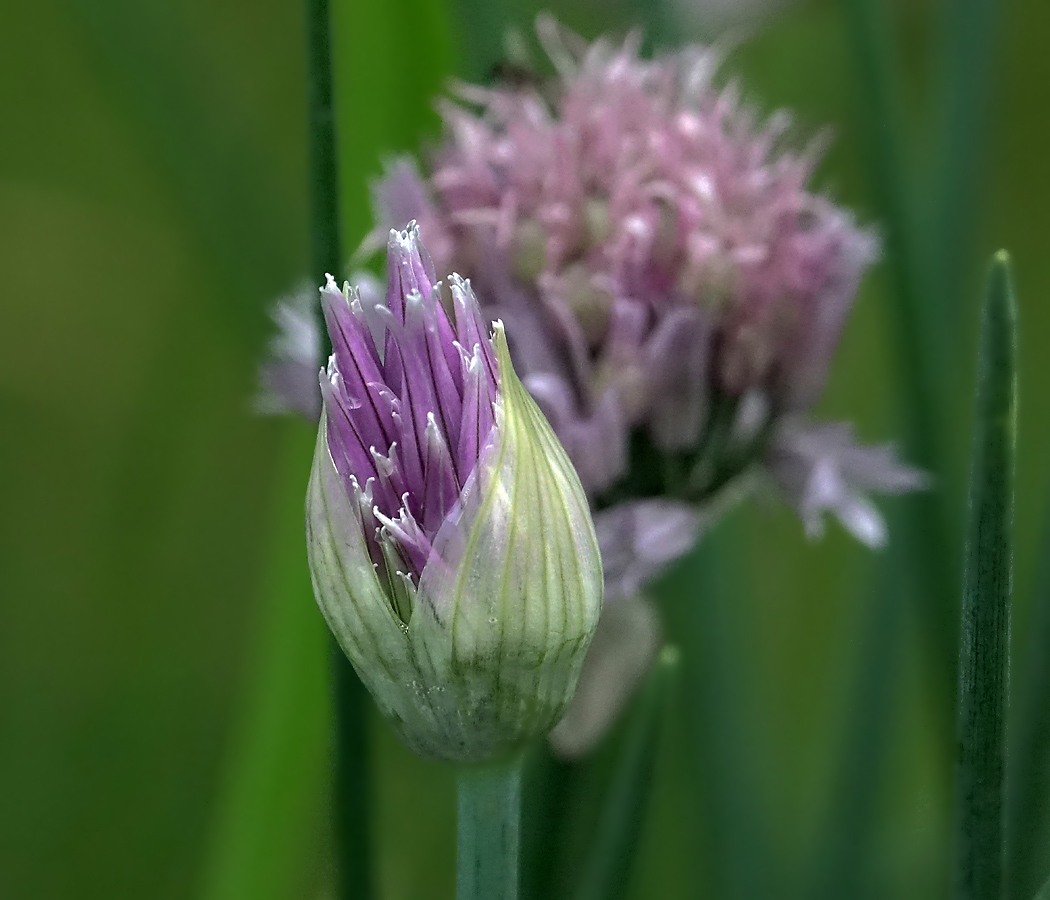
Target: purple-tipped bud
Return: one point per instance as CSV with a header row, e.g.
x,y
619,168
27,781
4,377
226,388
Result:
x,y
450,542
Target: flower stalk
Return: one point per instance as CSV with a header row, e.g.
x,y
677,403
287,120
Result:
x,y
489,825
351,750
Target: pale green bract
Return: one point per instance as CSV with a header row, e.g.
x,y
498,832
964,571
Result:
x,y
505,608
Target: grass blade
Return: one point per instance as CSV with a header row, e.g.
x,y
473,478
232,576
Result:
x,y
985,631
351,789
605,873
269,806
1028,796
721,755
917,333
840,866
1044,892
971,28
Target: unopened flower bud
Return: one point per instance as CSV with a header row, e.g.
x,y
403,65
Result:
x,y
451,547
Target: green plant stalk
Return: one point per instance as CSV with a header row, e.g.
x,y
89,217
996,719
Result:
x,y
843,852
325,241
1028,791
1044,892
268,809
351,794
971,30
984,655
550,791
607,868
922,351
741,862
489,830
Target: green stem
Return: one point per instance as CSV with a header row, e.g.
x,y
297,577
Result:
x,y
1044,892
741,861
269,808
918,335
1028,793
325,245
984,656
844,850
971,30
351,701
608,866
489,831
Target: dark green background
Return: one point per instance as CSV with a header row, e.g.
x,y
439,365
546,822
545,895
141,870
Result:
x,y
152,203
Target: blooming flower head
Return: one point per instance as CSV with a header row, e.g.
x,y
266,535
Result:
x,y
450,542
657,243
674,291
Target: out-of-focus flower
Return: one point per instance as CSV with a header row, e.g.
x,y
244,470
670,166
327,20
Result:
x,y
821,469
622,652
450,542
661,264
288,375
673,289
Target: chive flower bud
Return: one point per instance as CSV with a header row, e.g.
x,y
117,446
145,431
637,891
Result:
x,y
450,542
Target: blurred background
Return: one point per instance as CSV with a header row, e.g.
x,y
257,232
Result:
x,y
165,724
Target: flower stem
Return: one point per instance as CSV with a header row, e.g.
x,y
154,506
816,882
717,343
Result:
x,y
324,176
489,831
608,865
351,750
1044,892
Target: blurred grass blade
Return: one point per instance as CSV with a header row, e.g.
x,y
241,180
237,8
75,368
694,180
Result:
x,y
326,251
551,788
739,862
984,654
841,865
1044,892
622,816
1029,778
350,793
971,28
216,171
917,335
268,813
392,60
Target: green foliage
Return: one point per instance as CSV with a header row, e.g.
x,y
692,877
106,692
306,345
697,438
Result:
x,y
153,198
984,655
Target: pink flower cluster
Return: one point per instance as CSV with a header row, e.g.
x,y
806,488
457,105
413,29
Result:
x,y
651,244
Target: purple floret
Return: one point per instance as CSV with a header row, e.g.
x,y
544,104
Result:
x,y
409,398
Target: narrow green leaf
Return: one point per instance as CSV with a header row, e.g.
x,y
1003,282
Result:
x,y
917,334
1028,795
841,865
971,29
739,863
269,809
353,830
984,654
1044,892
622,817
